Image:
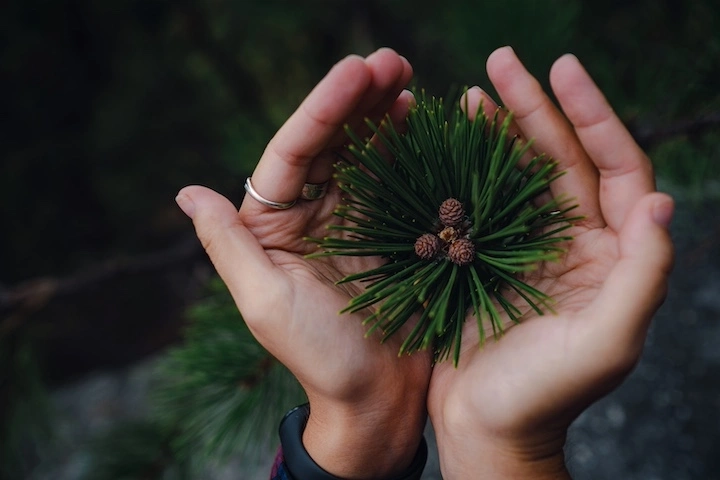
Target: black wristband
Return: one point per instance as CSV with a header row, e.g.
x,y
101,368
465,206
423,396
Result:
x,y
302,467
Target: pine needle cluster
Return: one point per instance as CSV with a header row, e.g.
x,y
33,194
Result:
x,y
456,215
221,390
217,395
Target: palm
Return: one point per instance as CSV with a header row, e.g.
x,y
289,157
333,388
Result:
x,y
300,292
310,314
525,388
504,376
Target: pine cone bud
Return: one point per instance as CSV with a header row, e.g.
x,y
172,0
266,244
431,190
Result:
x,y
427,246
451,212
462,251
448,234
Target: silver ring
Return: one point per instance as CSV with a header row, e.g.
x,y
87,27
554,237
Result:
x,y
268,203
314,191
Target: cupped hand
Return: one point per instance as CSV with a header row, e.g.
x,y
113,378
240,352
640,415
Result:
x,y
367,404
504,412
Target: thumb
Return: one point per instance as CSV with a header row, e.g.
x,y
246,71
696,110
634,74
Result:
x,y
234,251
637,284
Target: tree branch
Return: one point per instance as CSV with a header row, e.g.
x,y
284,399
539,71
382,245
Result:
x,y
34,294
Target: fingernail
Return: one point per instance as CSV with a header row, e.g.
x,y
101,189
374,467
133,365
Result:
x,y
663,212
410,97
186,204
570,57
351,56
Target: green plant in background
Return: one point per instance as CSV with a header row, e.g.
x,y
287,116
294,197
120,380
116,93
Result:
x,y
25,411
221,389
136,450
218,394
456,216
691,163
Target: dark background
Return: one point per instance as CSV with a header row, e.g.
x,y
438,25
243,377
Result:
x,y
109,108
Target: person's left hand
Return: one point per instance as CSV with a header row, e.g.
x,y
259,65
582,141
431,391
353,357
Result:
x,y
504,412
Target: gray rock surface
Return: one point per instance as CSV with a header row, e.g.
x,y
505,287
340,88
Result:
x,y
662,423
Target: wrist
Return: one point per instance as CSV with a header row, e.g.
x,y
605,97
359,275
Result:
x,y
492,458
358,444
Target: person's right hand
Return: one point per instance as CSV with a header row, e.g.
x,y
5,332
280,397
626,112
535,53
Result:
x,y
367,404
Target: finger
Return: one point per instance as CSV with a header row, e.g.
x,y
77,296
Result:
x,y
636,286
236,254
283,167
477,98
538,119
397,113
384,63
396,120
390,73
626,173
386,95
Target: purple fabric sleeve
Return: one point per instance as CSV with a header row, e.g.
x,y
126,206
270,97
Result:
x,y
279,472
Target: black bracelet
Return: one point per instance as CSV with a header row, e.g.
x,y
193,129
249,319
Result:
x,y
302,467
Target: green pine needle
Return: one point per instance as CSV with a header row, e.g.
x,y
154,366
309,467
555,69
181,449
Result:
x,y
388,206
221,391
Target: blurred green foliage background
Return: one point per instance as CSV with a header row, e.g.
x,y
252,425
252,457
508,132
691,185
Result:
x,y
110,107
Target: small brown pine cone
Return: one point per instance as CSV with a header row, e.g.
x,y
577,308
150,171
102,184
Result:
x,y
451,212
427,246
462,251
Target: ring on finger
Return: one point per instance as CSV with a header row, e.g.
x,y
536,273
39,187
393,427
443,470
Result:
x,y
314,191
268,203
